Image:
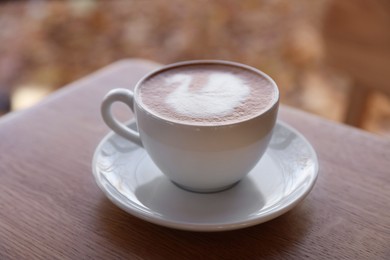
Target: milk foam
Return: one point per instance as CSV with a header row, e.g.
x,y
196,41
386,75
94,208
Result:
x,y
219,96
207,94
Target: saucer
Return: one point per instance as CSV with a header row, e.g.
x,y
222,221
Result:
x,y
282,178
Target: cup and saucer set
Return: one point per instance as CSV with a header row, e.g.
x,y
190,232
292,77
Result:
x,y
202,178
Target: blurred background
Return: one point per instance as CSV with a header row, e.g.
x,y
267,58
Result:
x,y
331,58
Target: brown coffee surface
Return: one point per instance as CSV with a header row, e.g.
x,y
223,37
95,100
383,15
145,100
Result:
x,y
207,94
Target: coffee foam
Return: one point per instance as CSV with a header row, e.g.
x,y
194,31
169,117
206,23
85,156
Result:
x,y
216,98
207,94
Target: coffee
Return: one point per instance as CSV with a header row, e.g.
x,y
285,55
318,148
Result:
x,y
204,124
207,94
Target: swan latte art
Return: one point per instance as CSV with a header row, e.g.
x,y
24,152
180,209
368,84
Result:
x,y
207,94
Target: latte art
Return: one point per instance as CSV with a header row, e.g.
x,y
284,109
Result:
x,y
219,96
204,94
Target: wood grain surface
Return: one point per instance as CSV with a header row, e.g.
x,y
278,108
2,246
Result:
x,y
51,208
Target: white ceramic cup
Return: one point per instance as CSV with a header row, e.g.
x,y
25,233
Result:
x,y
200,158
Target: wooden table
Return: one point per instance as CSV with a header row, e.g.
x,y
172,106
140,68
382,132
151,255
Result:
x,y
51,208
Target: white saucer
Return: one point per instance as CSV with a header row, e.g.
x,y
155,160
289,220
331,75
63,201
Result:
x,y
282,178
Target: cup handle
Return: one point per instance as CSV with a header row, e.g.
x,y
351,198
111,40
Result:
x,y
127,97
